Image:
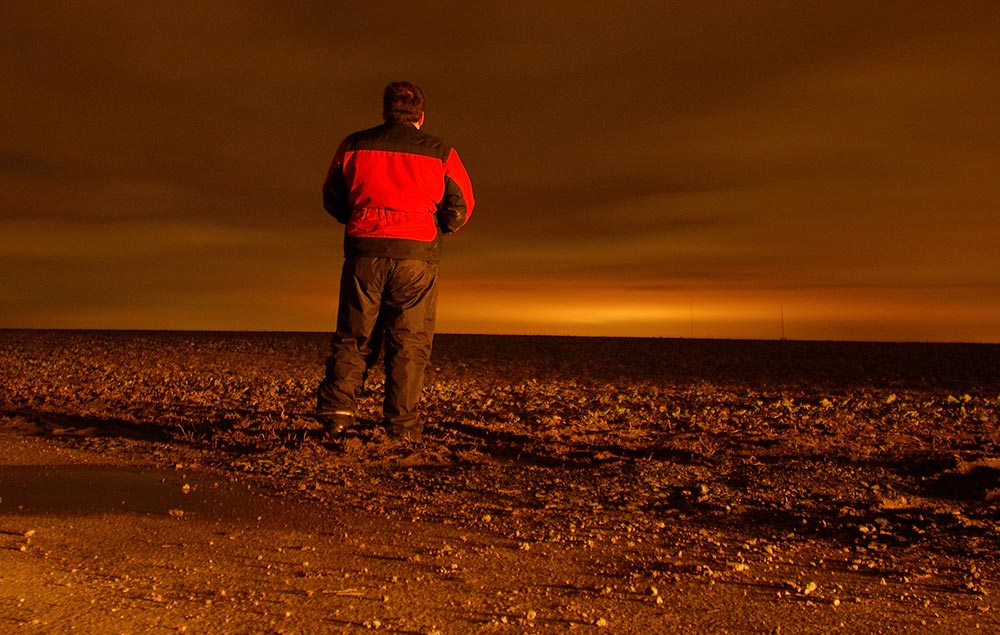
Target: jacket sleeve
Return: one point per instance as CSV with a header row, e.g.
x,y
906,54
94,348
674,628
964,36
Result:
x,y
457,203
335,199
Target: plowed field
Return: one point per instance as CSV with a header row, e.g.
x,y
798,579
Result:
x,y
174,482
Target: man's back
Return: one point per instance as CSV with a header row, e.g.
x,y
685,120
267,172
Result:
x,y
397,183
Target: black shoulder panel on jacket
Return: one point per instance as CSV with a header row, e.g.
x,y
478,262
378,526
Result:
x,y
398,137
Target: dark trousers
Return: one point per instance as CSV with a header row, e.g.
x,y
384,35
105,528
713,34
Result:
x,y
401,297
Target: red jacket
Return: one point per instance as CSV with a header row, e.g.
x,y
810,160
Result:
x,y
397,189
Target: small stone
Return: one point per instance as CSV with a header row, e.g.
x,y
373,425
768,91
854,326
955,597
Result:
x,y
600,622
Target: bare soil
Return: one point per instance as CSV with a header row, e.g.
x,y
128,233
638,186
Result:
x,y
174,482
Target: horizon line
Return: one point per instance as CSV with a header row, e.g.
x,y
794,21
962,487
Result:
x,y
488,334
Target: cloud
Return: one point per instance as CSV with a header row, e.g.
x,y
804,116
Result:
x,y
21,165
733,146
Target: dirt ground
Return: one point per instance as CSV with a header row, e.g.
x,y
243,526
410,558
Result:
x,y
173,482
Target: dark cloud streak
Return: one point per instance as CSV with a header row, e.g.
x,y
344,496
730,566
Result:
x,y
19,164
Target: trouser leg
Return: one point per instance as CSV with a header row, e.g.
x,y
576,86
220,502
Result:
x,y
375,345
410,308
361,284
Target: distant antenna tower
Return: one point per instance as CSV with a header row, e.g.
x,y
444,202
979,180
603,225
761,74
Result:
x,y
782,306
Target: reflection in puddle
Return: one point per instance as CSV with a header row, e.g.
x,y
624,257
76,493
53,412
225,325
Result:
x,y
97,489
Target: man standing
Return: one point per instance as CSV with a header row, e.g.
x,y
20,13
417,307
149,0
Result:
x,y
398,190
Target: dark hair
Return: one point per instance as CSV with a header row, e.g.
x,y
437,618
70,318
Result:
x,y
402,102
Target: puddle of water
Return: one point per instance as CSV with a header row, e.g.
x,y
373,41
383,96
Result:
x,y
95,489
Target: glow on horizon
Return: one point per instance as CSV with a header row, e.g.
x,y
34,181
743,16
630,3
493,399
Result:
x,y
714,314
290,301
537,313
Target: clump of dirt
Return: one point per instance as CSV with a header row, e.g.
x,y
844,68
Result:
x,y
587,483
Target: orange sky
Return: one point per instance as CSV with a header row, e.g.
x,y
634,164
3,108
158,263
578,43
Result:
x,y
826,170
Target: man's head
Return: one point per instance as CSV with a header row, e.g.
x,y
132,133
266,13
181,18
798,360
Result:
x,y
403,102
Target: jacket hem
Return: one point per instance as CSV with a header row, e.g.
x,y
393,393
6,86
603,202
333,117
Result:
x,y
397,248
